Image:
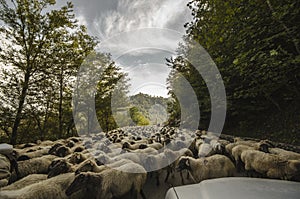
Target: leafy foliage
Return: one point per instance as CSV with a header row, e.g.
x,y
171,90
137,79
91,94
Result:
x,y
255,45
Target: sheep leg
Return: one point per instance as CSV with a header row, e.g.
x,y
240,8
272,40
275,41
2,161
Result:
x,y
151,174
142,194
238,165
133,192
157,179
182,180
188,175
167,177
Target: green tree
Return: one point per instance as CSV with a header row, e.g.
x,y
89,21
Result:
x,y
111,95
40,41
137,117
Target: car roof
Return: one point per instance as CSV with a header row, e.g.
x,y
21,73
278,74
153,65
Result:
x,y
237,188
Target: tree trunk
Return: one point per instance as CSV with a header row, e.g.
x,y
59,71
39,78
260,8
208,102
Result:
x,y
17,121
60,111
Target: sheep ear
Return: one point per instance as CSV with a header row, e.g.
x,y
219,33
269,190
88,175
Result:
x,y
187,162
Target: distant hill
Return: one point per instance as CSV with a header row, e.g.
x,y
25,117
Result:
x,y
152,107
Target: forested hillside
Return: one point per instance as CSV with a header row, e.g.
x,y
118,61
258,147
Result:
x,y
154,108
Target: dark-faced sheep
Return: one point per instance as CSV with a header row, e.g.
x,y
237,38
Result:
x,y
111,183
215,166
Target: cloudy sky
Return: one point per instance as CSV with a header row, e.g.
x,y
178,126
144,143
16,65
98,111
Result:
x,y
139,34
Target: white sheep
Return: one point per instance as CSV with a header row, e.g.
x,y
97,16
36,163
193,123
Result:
x,y
127,145
90,165
215,166
271,165
111,183
237,151
289,155
45,143
155,145
52,188
28,180
33,154
34,166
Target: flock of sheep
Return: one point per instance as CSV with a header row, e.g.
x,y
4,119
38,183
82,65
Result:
x,y
118,163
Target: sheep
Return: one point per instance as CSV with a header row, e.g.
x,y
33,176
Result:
x,y
205,150
217,147
194,146
23,146
52,188
127,145
155,164
3,182
77,157
34,154
173,159
105,159
156,146
59,166
53,149
111,183
28,180
33,166
151,151
90,165
74,139
215,166
66,165
63,151
45,143
5,166
174,144
262,146
237,151
289,155
271,165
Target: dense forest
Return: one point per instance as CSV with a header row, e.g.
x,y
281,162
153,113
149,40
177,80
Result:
x,y
255,45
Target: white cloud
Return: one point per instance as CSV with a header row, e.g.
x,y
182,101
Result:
x,y
136,14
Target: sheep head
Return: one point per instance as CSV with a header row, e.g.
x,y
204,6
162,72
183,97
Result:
x,y
264,146
63,151
79,149
126,145
58,167
81,181
143,146
183,163
23,158
86,166
76,158
52,150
